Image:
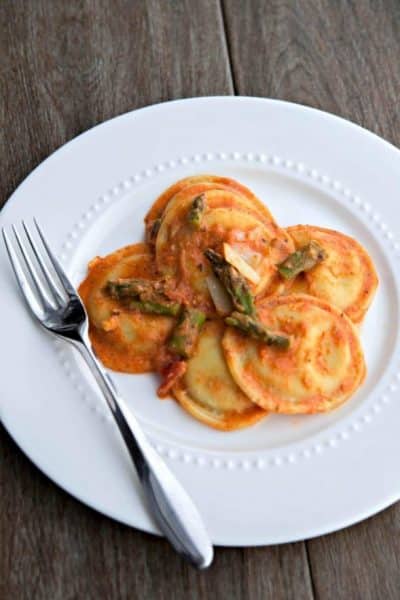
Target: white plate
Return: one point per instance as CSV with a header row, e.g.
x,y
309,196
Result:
x,y
286,478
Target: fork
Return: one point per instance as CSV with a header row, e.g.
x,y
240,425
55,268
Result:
x,y
56,305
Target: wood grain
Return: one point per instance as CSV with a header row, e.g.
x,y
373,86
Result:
x,y
66,66
338,56
341,57
360,562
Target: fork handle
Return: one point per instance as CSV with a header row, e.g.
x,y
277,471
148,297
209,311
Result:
x,y
172,508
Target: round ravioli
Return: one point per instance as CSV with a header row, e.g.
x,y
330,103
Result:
x,y
180,247
207,390
218,196
216,182
323,366
123,339
346,278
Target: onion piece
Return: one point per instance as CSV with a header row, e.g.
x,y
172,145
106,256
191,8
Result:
x,y
240,236
219,295
234,258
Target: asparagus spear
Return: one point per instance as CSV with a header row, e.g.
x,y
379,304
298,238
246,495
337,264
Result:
x,y
233,282
170,309
129,288
303,259
185,334
196,211
143,295
257,330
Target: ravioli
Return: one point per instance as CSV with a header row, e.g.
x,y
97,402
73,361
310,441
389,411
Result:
x,y
207,390
346,278
322,368
218,196
123,339
180,248
216,182
292,346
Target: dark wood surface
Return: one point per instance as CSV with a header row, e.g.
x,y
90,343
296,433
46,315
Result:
x,y
65,66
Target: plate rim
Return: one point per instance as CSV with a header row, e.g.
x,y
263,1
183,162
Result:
x,y
195,99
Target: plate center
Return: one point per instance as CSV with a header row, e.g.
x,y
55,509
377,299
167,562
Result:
x,y
292,199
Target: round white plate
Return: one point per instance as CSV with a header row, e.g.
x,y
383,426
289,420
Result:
x,y
286,478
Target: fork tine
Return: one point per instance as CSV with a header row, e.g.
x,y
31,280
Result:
x,y
47,275
47,302
22,280
68,287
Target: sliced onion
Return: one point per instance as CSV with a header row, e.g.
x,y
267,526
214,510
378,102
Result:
x,y
240,236
219,295
234,258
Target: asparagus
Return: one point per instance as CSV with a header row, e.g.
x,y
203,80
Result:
x,y
233,282
129,288
185,334
169,309
257,330
303,259
196,211
143,295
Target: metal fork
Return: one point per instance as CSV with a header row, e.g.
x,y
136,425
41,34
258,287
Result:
x,y
56,305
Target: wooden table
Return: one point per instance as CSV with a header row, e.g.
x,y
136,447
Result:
x,y
66,66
